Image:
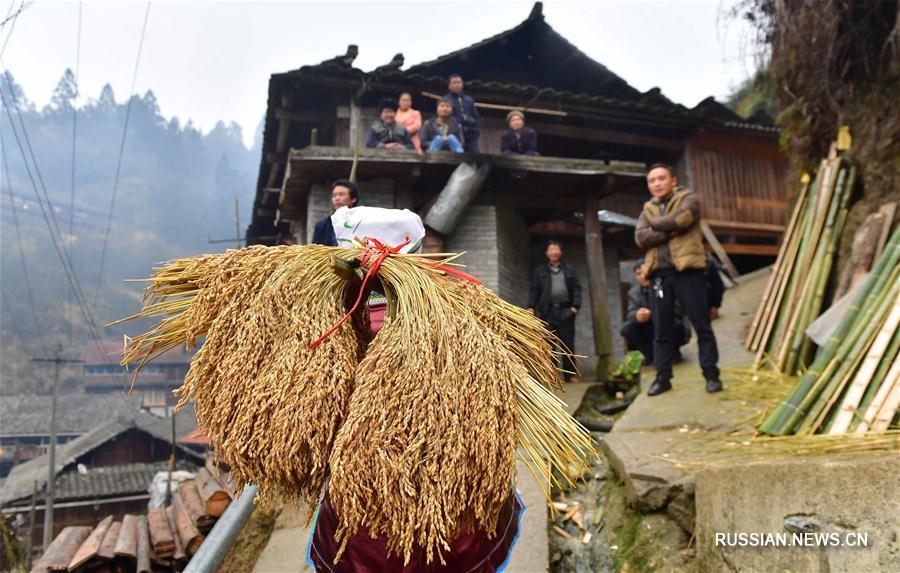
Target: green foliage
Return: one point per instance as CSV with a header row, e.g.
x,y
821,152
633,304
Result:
x,y
629,369
177,188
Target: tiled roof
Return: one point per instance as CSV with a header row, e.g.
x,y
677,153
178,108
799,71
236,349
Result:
x,y
110,351
111,481
21,478
76,413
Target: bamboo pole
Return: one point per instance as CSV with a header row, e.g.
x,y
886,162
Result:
x,y
781,420
889,384
787,239
865,374
886,362
831,381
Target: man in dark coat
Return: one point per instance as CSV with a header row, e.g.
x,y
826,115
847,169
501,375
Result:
x,y
344,193
386,133
464,112
518,138
555,298
637,330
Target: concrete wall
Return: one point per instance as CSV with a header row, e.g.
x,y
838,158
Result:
x,y
829,494
476,234
513,255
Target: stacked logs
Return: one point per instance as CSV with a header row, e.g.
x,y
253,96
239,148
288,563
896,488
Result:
x,y
163,540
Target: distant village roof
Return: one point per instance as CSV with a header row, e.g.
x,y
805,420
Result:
x,y
111,481
112,352
76,413
20,482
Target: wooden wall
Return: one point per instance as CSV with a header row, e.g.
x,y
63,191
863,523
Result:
x,y
739,179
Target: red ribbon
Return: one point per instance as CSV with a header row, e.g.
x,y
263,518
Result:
x,y
380,251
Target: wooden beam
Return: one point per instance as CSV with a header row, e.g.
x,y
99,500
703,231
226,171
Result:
x,y
742,249
291,115
596,269
710,237
738,225
609,136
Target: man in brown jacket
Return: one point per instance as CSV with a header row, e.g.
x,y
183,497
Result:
x,y
669,231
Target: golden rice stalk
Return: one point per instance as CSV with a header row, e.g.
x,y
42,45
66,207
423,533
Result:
x,y
418,430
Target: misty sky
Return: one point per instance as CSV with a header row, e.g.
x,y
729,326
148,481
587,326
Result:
x,y
211,61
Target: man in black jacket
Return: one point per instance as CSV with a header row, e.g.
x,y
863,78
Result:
x,y
344,193
555,298
386,133
637,330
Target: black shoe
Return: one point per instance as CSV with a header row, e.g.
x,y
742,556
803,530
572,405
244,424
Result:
x,y
713,385
658,387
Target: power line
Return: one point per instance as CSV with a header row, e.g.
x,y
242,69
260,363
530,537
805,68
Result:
x,y
7,310
74,146
14,18
55,239
112,201
29,290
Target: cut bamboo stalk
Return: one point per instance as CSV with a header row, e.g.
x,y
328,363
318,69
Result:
x,y
883,368
776,268
864,375
888,410
783,417
889,384
830,384
890,211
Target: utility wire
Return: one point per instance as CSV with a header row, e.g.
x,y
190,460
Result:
x,y
56,239
10,317
28,288
14,18
74,148
112,202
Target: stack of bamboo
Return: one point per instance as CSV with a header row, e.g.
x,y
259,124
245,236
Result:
x,y
796,288
854,384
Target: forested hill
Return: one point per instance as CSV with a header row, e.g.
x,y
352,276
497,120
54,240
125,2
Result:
x,y
177,188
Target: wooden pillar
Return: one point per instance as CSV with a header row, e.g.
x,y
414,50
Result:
x,y
593,238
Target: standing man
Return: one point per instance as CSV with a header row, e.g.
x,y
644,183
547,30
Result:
x,y
675,260
555,298
465,113
344,193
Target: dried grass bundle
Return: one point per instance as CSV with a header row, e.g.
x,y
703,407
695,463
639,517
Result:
x,y
417,427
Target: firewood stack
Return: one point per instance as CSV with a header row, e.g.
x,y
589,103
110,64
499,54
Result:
x,y
161,541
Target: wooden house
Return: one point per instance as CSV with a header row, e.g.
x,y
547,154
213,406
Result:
x,y
596,135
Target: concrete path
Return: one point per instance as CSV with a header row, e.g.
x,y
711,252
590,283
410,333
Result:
x,y
286,550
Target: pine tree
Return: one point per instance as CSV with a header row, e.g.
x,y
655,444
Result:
x,y
63,98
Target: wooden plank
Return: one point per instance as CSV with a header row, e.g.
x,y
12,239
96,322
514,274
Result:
x,y
143,545
160,535
593,239
91,546
710,237
61,550
191,538
108,545
301,116
213,495
179,554
193,506
741,249
862,253
126,545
